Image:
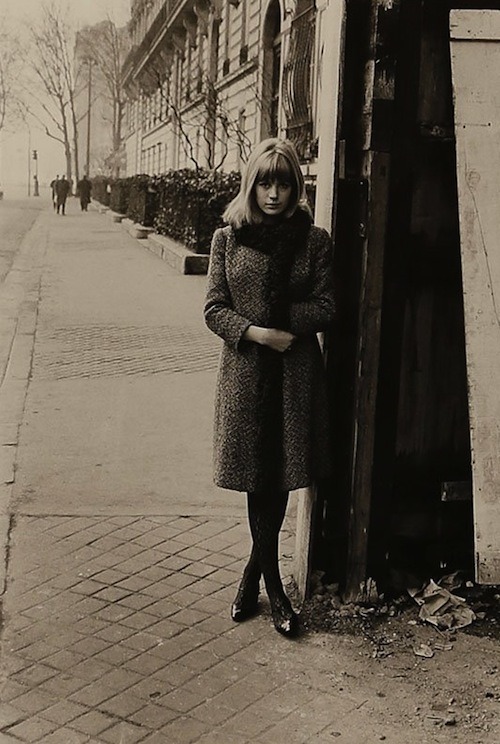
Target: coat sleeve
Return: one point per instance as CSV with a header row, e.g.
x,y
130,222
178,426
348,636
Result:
x,y
220,316
315,312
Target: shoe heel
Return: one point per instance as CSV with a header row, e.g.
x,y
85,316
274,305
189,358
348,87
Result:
x,y
246,603
285,620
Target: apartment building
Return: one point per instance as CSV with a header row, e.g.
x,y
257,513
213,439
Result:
x,y
205,80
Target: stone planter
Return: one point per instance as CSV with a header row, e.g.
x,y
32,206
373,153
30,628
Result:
x,y
178,256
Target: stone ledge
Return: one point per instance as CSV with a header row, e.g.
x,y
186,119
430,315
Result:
x,y
135,230
177,255
115,216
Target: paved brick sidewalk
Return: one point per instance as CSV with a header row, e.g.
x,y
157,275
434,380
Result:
x,y
117,630
115,619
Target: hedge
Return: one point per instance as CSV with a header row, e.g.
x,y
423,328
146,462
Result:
x,y
119,196
185,204
190,204
99,190
142,200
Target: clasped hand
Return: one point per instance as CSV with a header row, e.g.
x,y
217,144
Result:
x,y
276,339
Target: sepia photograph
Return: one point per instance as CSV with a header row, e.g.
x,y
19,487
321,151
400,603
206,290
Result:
x,y
249,372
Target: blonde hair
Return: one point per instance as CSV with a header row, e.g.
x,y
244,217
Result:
x,y
275,159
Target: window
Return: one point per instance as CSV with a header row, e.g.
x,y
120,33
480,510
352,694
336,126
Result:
x,y
271,71
298,80
165,157
213,62
201,57
244,33
227,33
189,56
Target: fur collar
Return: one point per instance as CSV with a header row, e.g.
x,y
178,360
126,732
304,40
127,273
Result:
x,y
288,234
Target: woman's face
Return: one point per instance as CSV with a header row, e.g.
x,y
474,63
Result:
x,y
273,195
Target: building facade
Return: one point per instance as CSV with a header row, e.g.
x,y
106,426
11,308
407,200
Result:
x,y
205,81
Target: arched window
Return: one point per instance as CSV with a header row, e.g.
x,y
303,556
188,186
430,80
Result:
x,y
271,70
244,33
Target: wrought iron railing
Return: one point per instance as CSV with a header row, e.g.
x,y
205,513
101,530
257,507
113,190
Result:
x,y
297,83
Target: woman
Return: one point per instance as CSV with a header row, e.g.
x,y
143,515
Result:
x,y
269,293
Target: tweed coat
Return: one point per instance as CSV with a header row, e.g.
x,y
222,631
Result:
x,y
235,300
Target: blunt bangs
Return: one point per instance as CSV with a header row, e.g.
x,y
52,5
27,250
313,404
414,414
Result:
x,y
275,167
272,160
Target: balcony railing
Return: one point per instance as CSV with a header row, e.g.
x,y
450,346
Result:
x,y
157,27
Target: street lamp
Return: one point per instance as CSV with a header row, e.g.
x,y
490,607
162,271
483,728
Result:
x,y
24,117
29,159
36,191
88,61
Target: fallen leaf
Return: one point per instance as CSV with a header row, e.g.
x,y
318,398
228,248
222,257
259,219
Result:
x,y
424,650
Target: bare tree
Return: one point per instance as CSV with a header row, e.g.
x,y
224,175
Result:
x,y
209,116
10,60
105,46
53,102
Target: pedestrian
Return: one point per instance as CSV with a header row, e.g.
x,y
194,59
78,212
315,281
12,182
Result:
x,y
269,293
53,187
62,191
84,188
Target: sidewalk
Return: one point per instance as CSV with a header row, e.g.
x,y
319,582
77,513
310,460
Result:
x,y
122,558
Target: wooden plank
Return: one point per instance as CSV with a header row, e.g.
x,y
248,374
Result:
x,y
384,19
476,81
367,380
472,25
304,540
331,43
332,28
397,254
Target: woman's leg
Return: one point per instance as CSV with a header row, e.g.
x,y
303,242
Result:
x,y
246,600
266,512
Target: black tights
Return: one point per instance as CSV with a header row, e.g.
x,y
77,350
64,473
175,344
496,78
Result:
x,y
266,512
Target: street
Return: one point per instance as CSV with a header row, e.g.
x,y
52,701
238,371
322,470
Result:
x,y
16,218
120,558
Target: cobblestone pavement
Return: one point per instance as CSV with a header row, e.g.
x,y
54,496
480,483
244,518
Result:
x,y
118,573
117,630
98,351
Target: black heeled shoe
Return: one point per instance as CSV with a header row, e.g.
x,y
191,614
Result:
x,y
285,620
246,602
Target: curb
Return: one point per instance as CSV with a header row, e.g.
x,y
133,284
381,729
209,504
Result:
x,y
115,216
136,231
19,298
4,550
175,254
